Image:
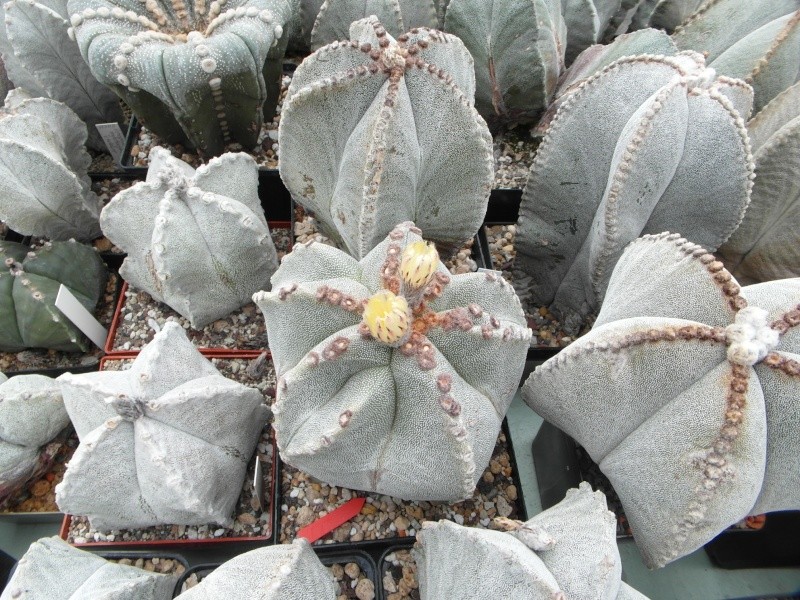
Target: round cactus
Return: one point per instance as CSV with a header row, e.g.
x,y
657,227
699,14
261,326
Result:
x,y
29,282
394,376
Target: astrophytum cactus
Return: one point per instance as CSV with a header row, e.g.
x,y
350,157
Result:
x,y
31,415
29,283
672,152
42,59
685,394
568,551
518,47
394,376
196,240
193,71
282,572
587,21
661,14
166,441
376,131
755,41
766,245
44,189
54,570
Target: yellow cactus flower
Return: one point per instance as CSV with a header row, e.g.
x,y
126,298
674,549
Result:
x,y
418,264
387,316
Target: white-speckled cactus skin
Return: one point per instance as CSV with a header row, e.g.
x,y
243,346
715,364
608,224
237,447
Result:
x,y
685,394
673,153
196,240
586,22
42,59
51,569
376,131
755,41
568,551
31,414
44,189
766,245
661,14
356,412
518,47
397,16
167,441
192,70
283,572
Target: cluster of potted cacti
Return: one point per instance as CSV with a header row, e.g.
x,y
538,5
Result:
x,y
394,376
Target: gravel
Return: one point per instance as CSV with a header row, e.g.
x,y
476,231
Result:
x,y
155,564
249,520
514,151
399,573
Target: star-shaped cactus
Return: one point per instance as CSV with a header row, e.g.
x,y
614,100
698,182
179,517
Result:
x,y
166,441
375,131
685,394
394,376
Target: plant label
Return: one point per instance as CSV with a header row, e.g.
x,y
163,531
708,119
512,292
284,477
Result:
x,y
114,140
82,318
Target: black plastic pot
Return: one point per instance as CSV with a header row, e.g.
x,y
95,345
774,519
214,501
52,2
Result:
x,y
776,544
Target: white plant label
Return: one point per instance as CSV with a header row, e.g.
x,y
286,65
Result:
x,y
114,140
258,483
68,304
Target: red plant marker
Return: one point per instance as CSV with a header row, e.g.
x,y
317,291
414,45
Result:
x,y
332,520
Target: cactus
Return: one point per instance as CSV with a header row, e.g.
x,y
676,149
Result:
x,y
393,378
375,131
684,393
587,21
42,59
755,41
673,152
167,441
31,415
567,551
44,189
195,72
766,245
53,569
518,47
29,284
662,14
196,240
283,572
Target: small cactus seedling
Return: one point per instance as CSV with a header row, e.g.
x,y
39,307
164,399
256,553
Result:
x,y
673,152
376,131
755,41
282,572
29,282
685,394
518,47
766,245
44,189
196,240
53,569
167,441
32,413
42,59
568,551
195,72
394,376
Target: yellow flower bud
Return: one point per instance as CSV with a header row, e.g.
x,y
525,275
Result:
x,y
418,264
387,317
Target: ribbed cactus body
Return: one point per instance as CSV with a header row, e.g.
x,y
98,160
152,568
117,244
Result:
x,y
42,59
672,153
31,414
661,14
385,385
766,245
685,394
587,21
196,240
567,551
192,70
29,283
376,131
518,47
166,441
282,572
44,189
755,41
53,569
